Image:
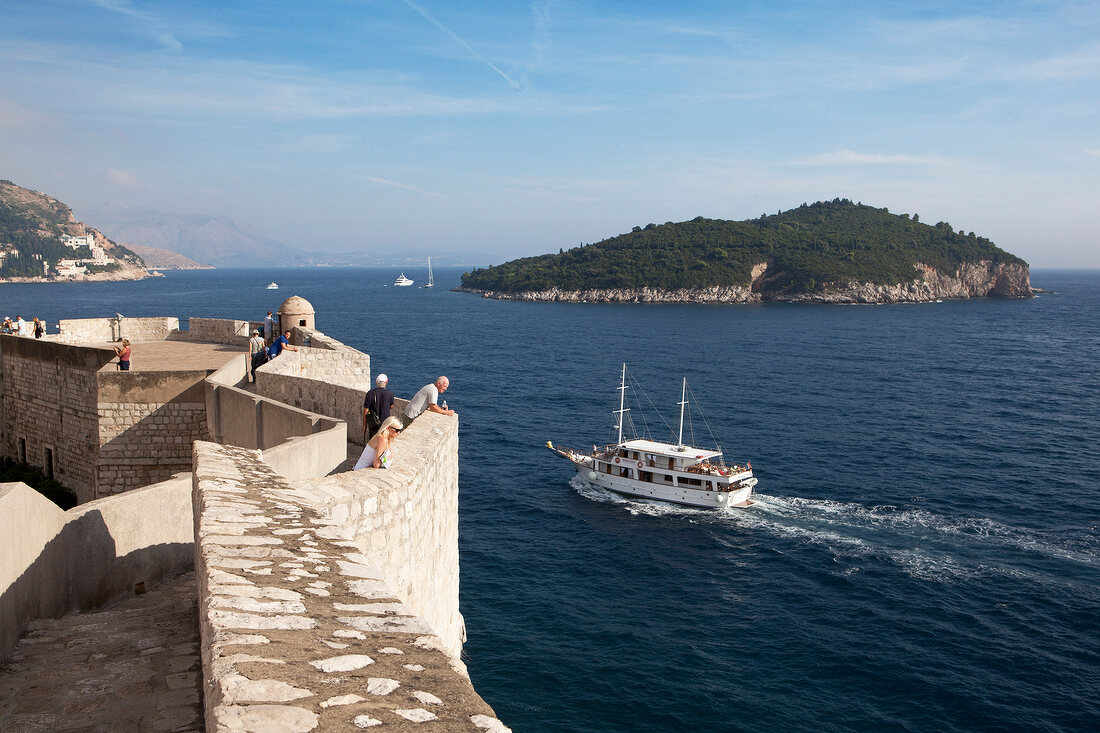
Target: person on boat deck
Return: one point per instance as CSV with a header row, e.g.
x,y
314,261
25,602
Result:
x,y
376,453
376,406
427,399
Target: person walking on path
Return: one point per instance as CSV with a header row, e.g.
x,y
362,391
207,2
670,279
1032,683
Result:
x,y
376,406
283,342
427,399
269,328
124,355
376,453
22,328
257,351
39,328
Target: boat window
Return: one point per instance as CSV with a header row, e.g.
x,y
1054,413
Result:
x,y
647,476
685,481
668,478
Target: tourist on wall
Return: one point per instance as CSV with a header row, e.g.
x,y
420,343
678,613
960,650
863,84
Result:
x,y
427,399
39,328
22,328
123,355
257,352
269,328
283,342
376,453
376,406
8,326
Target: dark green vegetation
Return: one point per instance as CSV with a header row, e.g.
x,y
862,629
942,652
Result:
x,y
806,250
13,471
33,224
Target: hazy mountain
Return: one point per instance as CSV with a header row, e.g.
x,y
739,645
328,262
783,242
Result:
x,y
215,240
223,242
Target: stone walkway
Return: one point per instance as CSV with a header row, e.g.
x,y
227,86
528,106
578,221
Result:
x,y
131,667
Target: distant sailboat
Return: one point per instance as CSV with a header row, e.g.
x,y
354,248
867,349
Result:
x,y
431,280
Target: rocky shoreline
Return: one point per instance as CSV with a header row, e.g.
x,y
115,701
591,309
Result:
x,y
971,280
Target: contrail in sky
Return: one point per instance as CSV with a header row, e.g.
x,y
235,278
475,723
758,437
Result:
x,y
395,184
431,19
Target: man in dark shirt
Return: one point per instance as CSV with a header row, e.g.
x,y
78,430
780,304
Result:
x,y
376,406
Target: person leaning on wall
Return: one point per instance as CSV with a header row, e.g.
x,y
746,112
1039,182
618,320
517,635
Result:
x,y
123,355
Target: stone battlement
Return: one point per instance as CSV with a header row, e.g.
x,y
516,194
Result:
x,y
328,601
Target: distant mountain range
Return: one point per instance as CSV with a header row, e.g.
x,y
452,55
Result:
x,y
223,242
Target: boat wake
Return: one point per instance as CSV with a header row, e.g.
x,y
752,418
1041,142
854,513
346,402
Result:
x,y
923,544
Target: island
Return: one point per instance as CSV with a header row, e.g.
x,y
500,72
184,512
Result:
x,y
41,241
827,252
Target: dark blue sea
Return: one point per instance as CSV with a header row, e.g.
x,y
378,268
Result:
x,y
924,555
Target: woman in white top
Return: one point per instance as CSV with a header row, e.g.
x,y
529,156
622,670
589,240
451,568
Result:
x,y
376,453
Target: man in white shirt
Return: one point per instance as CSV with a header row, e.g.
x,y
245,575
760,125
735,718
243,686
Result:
x,y
22,328
426,400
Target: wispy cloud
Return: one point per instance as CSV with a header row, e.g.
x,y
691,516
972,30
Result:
x,y
403,186
850,157
154,23
1094,153
512,82
122,178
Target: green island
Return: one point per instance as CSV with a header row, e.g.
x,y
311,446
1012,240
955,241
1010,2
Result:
x,y
813,250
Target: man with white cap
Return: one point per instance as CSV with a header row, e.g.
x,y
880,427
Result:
x,y
376,406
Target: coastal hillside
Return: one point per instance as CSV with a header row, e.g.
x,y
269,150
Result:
x,y
833,251
40,239
163,259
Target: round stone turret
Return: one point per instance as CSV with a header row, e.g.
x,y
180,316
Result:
x,y
296,311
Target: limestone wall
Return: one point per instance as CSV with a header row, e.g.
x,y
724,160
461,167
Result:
x,y
405,520
298,630
50,410
216,331
54,562
103,330
326,377
147,423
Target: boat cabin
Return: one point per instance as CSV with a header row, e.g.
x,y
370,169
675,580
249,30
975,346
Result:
x,y
663,463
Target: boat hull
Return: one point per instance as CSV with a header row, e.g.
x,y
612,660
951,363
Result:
x,y
735,498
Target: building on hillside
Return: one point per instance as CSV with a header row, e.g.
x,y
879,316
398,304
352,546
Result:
x,y
84,240
70,268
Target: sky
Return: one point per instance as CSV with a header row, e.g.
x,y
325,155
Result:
x,y
517,128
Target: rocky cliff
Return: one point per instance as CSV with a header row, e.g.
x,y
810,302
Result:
x,y
970,280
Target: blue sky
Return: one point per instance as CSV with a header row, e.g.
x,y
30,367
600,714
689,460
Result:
x,y
516,128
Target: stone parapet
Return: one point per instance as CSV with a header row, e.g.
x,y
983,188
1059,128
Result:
x,y
216,331
57,561
325,377
102,330
298,631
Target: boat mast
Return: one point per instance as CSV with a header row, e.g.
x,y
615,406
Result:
x,y
683,401
622,405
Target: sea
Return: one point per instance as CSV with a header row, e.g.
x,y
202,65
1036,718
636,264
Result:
x,y
923,555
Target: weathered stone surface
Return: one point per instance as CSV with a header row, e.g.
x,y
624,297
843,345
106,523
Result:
x,y
128,667
385,648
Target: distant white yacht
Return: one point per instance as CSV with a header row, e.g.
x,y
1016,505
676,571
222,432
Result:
x,y
272,285
402,281
431,280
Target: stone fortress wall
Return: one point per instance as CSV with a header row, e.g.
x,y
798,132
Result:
x,y
368,559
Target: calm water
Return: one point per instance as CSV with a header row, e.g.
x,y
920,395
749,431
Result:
x,y
924,555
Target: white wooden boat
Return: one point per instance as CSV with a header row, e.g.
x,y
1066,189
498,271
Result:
x,y
649,469
402,281
431,280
